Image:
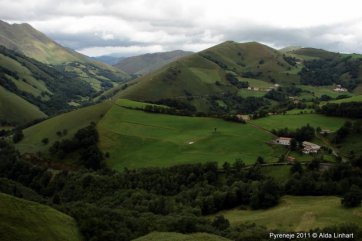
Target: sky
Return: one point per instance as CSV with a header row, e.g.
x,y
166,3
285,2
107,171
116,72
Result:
x,y
132,27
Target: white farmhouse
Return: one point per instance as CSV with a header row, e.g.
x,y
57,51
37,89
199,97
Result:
x,y
309,147
285,141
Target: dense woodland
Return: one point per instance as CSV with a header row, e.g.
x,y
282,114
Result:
x,y
328,71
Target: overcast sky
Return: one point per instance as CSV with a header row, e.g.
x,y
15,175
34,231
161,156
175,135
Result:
x,y
131,27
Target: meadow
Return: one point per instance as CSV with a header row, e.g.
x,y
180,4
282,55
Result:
x,y
318,91
71,122
357,98
23,220
297,121
298,214
139,139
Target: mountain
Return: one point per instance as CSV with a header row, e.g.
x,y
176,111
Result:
x,y
289,49
24,220
146,63
39,77
31,90
111,60
213,72
25,39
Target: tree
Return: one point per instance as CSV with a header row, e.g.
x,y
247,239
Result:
x,y
296,168
238,164
353,197
18,135
260,160
265,195
92,157
293,144
45,141
220,222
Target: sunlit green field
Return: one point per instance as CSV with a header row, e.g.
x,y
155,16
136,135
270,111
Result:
x,y
71,122
297,121
139,139
298,214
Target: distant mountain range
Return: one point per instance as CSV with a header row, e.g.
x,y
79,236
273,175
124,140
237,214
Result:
x,y
111,60
146,63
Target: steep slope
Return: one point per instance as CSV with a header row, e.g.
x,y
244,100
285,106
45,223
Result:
x,y
70,121
146,63
205,73
14,109
25,39
31,86
23,220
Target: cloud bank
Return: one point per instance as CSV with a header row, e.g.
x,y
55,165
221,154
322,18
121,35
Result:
x,y
130,27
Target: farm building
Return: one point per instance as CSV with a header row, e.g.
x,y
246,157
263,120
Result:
x,y
283,141
309,147
339,88
325,131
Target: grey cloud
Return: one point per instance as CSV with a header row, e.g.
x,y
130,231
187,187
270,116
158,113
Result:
x,y
168,24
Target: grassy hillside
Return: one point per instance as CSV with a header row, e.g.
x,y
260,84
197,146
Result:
x,y
15,109
23,220
25,39
48,89
314,53
139,139
71,122
158,236
146,63
357,98
294,121
298,214
204,74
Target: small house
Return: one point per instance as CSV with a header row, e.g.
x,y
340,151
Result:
x,y
325,131
285,141
309,147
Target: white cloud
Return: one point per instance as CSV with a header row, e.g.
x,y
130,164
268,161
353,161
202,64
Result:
x,y
123,51
139,25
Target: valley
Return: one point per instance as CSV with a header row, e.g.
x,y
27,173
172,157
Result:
x,y
227,143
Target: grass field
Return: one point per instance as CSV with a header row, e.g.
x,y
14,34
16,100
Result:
x,y
351,143
300,111
279,173
71,121
247,93
138,139
297,121
318,91
23,220
14,108
257,83
135,104
298,214
158,236
357,98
